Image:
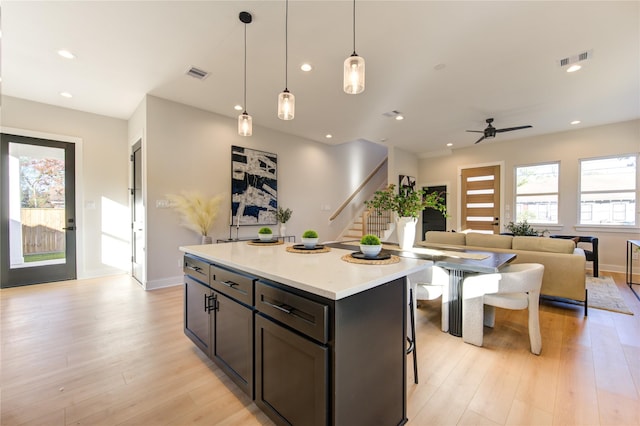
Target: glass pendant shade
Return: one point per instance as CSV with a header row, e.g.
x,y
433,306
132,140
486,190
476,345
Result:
x,y
245,125
354,75
286,105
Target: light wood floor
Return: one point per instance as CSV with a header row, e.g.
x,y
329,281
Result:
x,y
105,352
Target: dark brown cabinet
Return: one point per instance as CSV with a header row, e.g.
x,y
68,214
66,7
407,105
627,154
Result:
x,y
197,322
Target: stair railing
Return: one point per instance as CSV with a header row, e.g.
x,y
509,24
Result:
x,y
358,189
376,222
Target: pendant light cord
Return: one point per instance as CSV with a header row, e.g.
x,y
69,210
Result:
x,y
354,27
286,45
245,68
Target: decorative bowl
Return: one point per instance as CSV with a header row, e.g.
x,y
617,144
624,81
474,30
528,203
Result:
x,y
309,242
265,237
370,251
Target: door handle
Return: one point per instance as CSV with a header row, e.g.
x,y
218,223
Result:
x,y
70,228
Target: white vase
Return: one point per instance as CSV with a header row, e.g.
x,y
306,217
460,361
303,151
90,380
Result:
x,y
207,239
406,228
283,230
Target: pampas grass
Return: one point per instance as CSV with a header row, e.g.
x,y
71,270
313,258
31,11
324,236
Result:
x,y
198,213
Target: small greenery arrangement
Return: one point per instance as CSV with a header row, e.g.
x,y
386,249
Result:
x,y
524,229
406,203
310,233
370,240
198,212
265,231
283,215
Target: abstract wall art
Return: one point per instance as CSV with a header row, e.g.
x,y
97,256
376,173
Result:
x,y
254,187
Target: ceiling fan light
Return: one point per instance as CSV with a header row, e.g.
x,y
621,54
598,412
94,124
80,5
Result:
x,y
353,82
286,105
245,124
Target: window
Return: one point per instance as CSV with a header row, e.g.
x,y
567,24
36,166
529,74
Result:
x,y
537,193
608,190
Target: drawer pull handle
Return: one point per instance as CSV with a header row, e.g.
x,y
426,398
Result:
x,y
284,308
194,268
229,284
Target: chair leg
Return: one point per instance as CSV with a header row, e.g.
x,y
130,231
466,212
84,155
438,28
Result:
x,y
472,320
412,340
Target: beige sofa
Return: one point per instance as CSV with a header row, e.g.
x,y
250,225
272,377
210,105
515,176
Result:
x,y
564,263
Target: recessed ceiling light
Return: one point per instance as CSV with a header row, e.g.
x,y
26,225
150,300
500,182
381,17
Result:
x,y
575,122
238,107
66,54
66,95
306,67
449,144
328,136
574,68
399,117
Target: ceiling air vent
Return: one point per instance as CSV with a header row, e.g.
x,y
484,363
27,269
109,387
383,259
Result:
x,y
583,56
197,73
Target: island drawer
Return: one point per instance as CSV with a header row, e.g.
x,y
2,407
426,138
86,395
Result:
x,y
306,316
196,268
232,284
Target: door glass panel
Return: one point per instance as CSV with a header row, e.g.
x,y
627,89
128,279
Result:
x,y
36,205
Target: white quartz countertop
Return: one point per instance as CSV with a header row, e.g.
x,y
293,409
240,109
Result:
x,y
323,274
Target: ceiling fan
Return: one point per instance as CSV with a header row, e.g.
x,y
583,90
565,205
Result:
x,y
490,131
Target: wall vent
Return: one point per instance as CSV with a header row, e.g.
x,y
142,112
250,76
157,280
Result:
x,y
583,56
197,73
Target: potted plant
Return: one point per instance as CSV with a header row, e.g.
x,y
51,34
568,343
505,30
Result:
x,y
309,238
407,204
370,245
265,234
523,228
283,216
198,213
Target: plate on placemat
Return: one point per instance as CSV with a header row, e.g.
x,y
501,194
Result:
x,y
383,255
302,247
259,241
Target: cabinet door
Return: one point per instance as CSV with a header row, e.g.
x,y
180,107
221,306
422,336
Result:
x,y
197,301
291,375
232,341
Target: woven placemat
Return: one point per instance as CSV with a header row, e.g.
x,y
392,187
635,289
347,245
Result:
x,y
324,249
351,259
269,243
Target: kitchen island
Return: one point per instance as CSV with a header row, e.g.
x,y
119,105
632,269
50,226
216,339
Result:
x,y
315,340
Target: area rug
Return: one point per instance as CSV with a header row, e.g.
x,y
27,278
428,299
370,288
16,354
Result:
x,y
603,294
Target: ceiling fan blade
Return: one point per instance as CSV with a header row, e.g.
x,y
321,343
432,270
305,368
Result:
x,y
480,140
508,129
476,131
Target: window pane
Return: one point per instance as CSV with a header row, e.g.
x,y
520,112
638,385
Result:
x,y
537,208
540,179
608,209
608,174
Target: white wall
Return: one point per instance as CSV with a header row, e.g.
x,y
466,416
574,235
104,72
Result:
x,y
568,148
190,149
103,213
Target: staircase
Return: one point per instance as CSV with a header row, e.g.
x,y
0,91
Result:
x,y
370,222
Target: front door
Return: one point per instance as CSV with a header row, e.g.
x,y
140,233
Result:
x,y
38,228
480,199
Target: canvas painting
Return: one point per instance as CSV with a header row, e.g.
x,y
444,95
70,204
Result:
x,y
254,187
406,184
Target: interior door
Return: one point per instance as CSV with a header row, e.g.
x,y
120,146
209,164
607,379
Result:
x,y
433,220
38,229
137,215
480,199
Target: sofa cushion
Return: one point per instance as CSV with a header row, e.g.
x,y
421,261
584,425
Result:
x,y
441,237
550,245
477,239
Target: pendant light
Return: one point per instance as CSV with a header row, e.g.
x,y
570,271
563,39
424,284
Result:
x,y
353,81
245,125
286,100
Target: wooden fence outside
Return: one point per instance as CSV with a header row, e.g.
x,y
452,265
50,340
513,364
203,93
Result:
x,y
42,230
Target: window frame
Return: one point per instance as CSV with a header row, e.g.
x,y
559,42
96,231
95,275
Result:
x,y
636,190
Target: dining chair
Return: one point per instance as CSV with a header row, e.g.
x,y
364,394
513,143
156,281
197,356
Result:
x,y
430,284
514,287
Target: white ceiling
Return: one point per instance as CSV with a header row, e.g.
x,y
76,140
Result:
x,y
500,60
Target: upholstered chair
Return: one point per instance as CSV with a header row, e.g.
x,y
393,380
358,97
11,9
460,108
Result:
x,y
430,284
514,287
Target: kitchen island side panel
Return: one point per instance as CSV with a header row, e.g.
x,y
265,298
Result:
x,y
369,357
